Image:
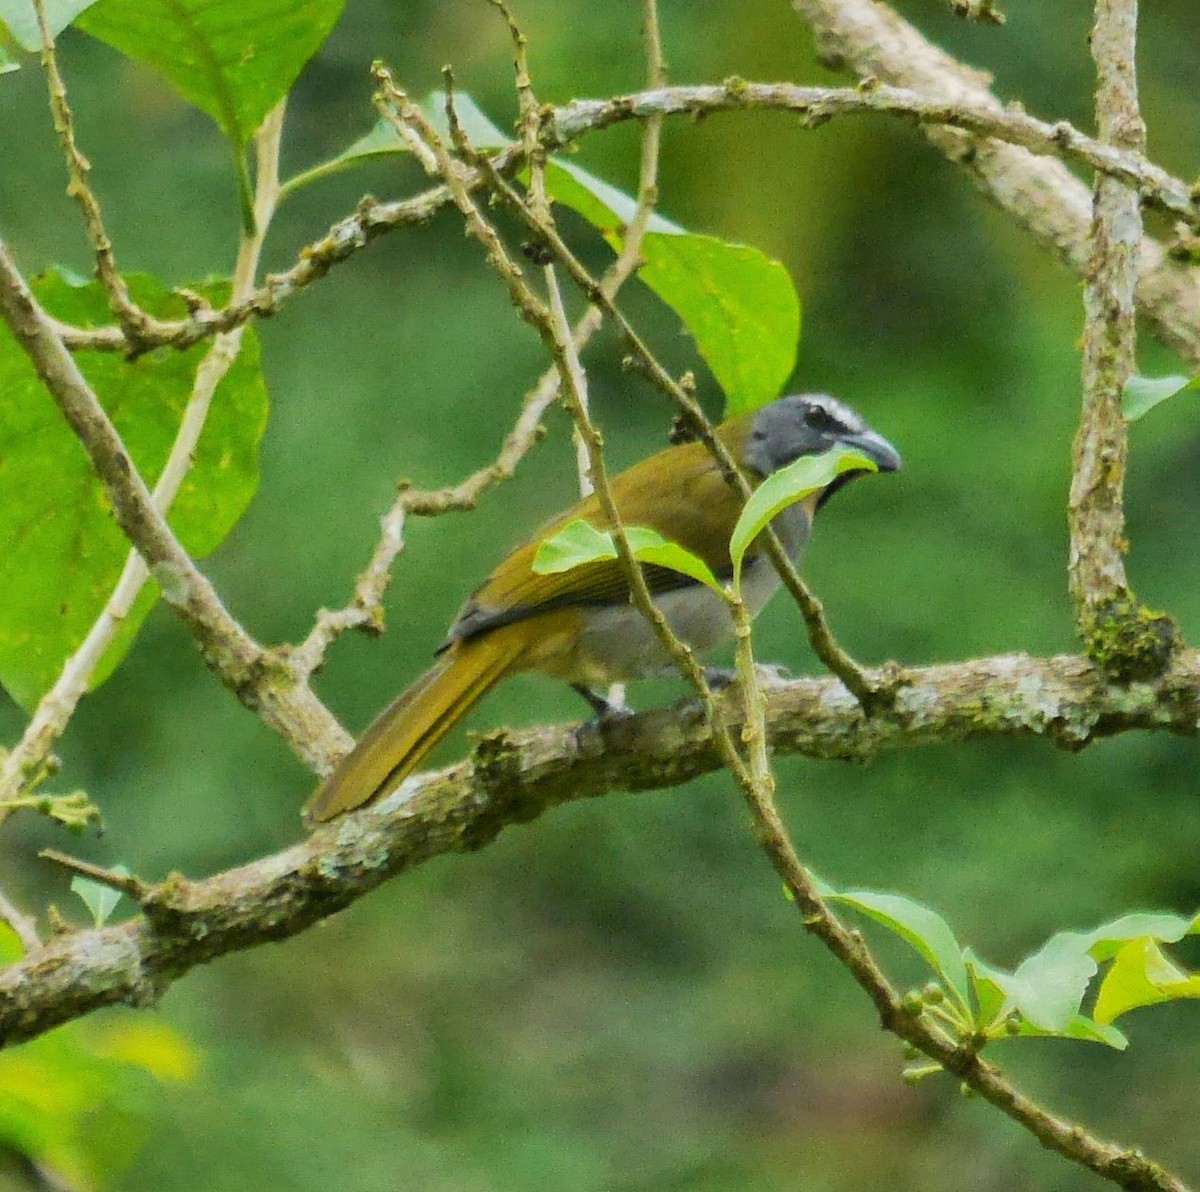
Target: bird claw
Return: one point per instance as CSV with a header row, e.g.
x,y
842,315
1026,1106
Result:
x,y
604,709
720,677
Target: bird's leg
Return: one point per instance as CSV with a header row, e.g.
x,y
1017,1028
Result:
x,y
603,708
720,677
609,716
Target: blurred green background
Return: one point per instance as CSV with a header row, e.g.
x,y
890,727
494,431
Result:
x,y
617,996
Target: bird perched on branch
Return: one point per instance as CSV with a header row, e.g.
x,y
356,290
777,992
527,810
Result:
x,y
580,625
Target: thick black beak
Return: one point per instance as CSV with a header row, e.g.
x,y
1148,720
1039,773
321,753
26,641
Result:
x,y
875,447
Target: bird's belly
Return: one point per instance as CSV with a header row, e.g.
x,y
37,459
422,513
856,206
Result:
x,y
616,642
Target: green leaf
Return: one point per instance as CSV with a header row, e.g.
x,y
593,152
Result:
x,y
7,63
1079,1027
384,141
152,1046
62,550
1045,992
1142,975
11,947
917,925
21,19
603,205
649,546
739,305
79,1100
989,986
1048,987
97,897
579,543
1106,940
1142,394
233,59
798,480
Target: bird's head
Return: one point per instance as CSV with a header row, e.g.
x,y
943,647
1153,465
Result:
x,y
810,424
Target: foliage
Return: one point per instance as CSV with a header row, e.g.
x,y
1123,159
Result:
x,y
1142,394
739,306
707,1016
1044,995
65,551
80,1100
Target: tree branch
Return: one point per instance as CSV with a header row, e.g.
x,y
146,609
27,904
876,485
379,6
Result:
x,y
1040,193
936,92
515,777
134,322
1116,630
259,679
57,706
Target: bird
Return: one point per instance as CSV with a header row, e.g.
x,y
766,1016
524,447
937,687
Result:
x,y
579,625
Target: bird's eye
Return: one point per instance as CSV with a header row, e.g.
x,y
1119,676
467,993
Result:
x,y
819,418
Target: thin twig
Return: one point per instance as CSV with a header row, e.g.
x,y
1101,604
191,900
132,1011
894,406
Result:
x,y
55,709
126,883
25,926
951,1049
972,112
365,608
549,319
574,389
135,324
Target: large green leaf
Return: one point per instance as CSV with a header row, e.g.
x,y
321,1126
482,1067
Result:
x,y
798,480
1048,986
1105,941
80,1100
1088,1030
739,305
1142,975
21,19
579,543
62,550
234,59
922,928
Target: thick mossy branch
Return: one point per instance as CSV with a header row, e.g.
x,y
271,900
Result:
x,y
517,776
1128,640
1040,194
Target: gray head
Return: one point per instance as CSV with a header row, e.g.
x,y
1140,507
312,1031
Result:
x,y
809,424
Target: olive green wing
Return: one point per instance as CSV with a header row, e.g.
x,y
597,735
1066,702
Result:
x,y
679,492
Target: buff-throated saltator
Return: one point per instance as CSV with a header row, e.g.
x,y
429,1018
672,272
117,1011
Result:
x,y
580,625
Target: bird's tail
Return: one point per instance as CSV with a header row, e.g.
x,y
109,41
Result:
x,y
415,721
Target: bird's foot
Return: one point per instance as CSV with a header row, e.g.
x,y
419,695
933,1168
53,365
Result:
x,y
604,708
608,715
720,677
